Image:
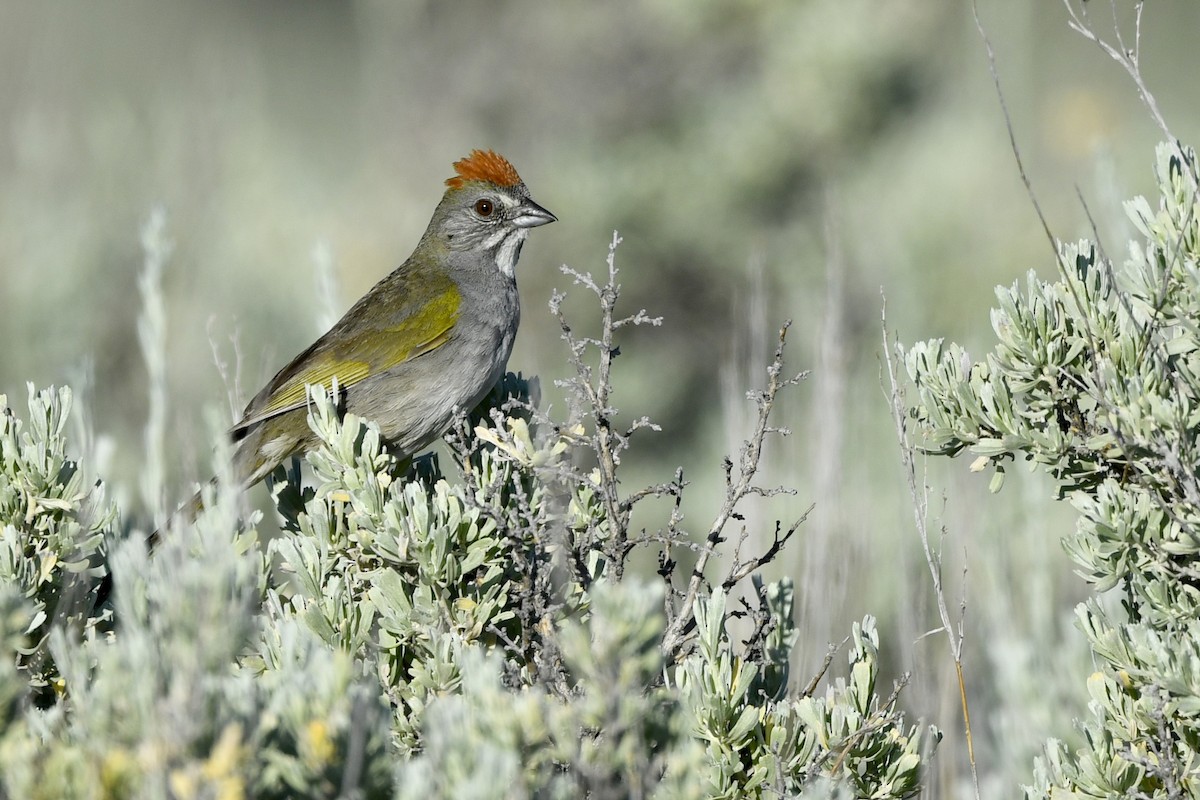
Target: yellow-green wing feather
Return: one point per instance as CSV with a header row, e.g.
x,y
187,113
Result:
x,y
351,355
292,394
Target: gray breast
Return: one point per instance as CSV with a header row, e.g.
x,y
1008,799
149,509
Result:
x,y
417,409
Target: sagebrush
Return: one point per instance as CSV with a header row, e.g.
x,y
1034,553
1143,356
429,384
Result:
x,y
464,632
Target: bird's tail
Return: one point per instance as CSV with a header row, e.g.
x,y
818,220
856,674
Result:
x,y
186,513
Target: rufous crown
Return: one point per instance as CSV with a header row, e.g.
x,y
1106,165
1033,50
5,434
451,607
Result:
x,y
484,165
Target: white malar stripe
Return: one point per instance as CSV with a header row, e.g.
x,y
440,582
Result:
x,y
506,256
494,239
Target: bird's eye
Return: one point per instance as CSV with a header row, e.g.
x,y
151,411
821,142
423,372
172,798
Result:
x,y
484,208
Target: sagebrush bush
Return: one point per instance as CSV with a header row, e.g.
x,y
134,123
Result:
x,y
57,527
1096,380
420,632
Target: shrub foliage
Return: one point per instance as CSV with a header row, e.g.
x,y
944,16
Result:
x,y
478,631
1095,379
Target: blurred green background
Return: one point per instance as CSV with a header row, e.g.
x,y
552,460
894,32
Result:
x,y
763,160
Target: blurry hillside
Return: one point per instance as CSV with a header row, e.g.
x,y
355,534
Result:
x,y
762,159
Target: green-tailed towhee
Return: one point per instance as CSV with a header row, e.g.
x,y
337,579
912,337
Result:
x,y
431,337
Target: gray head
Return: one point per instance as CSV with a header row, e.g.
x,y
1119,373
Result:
x,y
487,209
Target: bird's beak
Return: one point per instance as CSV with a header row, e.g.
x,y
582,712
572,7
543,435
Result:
x,y
531,215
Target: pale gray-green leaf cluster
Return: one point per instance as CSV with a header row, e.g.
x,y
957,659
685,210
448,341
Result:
x,y
1096,378
408,635
55,528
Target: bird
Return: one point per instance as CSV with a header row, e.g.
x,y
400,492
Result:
x,y
428,340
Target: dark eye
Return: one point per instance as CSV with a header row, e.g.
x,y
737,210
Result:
x,y
484,208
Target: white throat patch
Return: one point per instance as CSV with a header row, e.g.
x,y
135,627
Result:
x,y
510,248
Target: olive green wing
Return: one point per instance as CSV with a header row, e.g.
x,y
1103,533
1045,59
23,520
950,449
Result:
x,y
356,348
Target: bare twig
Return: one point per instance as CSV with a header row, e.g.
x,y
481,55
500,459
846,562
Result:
x,y
736,489
739,571
1012,137
593,387
954,634
1128,57
591,429
230,377
829,656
